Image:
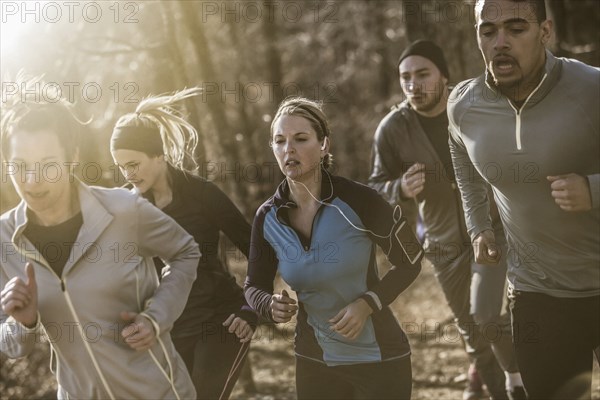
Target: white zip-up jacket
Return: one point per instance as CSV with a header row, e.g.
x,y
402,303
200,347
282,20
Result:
x,y
556,131
109,270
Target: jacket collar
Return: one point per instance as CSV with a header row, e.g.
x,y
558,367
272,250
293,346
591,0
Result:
x,y
552,72
177,180
282,194
95,217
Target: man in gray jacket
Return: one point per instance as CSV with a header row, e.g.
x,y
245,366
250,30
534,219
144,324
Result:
x,y
411,163
530,127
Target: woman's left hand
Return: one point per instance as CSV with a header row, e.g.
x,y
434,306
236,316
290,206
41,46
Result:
x,y
350,321
240,327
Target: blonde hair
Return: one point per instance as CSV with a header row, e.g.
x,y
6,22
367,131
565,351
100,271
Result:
x,y
179,137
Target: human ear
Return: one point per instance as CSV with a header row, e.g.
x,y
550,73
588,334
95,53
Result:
x,y
547,28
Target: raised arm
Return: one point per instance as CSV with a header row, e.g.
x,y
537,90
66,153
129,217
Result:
x,y
390,176
19,318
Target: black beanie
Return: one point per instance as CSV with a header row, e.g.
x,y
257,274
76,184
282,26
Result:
x,y
429,50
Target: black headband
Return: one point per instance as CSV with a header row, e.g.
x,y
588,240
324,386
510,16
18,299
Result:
x,y
138,138
321,121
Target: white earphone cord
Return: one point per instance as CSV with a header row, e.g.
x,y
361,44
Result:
x,y
388,236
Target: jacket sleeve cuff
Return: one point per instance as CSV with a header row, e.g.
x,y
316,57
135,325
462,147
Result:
x,y
247,314
372,300
153,322
397,189
34,328
594,181
476,231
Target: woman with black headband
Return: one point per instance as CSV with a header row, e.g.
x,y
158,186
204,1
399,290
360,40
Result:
x,y
153,148
321,232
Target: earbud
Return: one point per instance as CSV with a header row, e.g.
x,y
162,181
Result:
x,y
324,143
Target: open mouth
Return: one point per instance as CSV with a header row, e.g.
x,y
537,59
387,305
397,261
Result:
x,y
504,64
292,163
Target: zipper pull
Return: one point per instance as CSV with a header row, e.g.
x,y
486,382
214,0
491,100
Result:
x,y
62,285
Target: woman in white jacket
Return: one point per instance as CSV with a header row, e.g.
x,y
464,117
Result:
x,y
77,267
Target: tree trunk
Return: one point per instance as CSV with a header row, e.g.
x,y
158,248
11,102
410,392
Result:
x,y
179,76
208,72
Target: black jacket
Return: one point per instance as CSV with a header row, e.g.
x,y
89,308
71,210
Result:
x,y
204,211
399,143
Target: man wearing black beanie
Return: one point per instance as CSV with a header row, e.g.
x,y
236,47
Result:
x,y
429,50
411,164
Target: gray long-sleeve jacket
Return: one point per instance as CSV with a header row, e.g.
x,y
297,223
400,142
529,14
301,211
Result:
x,y
109,270
556,131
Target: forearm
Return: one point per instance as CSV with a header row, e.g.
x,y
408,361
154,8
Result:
x,y
396,281
397,239
262,269
386,166
159,235
259,300
473,190
389,189
170,298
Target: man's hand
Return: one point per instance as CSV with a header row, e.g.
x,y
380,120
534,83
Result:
x,y
485,248
283,307
571,192
413,181
350,321
19,298
139,334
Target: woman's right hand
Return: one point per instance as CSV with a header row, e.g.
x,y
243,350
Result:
x,y
283,307
19,298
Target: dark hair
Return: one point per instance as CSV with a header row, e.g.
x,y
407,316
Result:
x,y
313,112
539,7
37,106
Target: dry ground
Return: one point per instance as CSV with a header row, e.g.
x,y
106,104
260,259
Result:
x,y
438,360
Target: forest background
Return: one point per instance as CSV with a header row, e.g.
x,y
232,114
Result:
x,y
105,56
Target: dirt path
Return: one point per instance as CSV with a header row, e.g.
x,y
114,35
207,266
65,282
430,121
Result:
x,y
438,360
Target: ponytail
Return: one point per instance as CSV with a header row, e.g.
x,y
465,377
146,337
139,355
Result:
x,y
157,127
